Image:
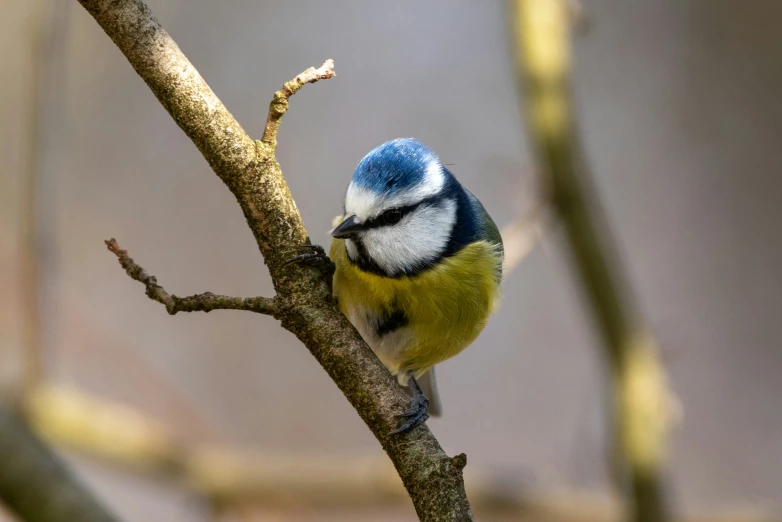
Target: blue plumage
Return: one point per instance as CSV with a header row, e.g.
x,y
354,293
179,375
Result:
x,y
466,227
394,166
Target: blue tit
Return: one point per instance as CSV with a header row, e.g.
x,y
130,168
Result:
x,y
418,264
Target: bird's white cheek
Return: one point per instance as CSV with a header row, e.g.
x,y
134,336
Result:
x,y
352,249
420,238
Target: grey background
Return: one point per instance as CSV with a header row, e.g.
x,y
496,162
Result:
x,y
682,118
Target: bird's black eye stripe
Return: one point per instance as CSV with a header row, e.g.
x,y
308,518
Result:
x,y
395,215
392,216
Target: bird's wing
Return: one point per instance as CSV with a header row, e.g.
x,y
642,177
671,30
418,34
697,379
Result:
x,y
489,230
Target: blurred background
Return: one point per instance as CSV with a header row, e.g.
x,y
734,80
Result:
x,y
680,108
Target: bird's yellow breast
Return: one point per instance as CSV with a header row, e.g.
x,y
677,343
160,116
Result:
x,y
446,306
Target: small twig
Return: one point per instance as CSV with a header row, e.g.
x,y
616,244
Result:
x,y
279,104
205,302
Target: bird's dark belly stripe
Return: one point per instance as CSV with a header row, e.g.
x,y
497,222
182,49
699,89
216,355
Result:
x,y
390,322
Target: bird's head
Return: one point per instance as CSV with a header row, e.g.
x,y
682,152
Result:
x,y
400,209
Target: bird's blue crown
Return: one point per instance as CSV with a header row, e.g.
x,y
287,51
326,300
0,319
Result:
x,y
394,166
405,176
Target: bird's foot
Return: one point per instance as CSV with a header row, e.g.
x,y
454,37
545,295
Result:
x,y
315,256
417,413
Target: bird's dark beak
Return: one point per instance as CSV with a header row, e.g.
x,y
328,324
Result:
x,y
347,229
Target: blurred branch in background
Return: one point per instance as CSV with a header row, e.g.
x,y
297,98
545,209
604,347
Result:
x,y
520,237
251,482
525,232
303,302
47,32
640,398
29,272
35,484
111,431
37,201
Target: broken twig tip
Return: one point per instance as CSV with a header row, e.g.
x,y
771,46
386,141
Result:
x,y
327,69
460,461
279,104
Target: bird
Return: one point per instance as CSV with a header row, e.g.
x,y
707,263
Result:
x,y
417,266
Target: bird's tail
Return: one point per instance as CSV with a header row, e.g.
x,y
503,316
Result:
x,y
428,383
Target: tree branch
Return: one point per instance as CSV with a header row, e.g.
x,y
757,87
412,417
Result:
x,y
35,484
304,303
279,104
639,401
205,302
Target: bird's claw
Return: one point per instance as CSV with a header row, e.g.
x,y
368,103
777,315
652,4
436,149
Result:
x,y
314,256
416,415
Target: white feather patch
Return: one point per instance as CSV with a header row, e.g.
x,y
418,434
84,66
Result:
x,y
390,347
365,203
419,238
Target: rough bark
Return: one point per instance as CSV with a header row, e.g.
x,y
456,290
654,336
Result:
x,y
303,303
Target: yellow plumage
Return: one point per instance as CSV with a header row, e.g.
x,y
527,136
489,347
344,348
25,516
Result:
x,y
446,305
